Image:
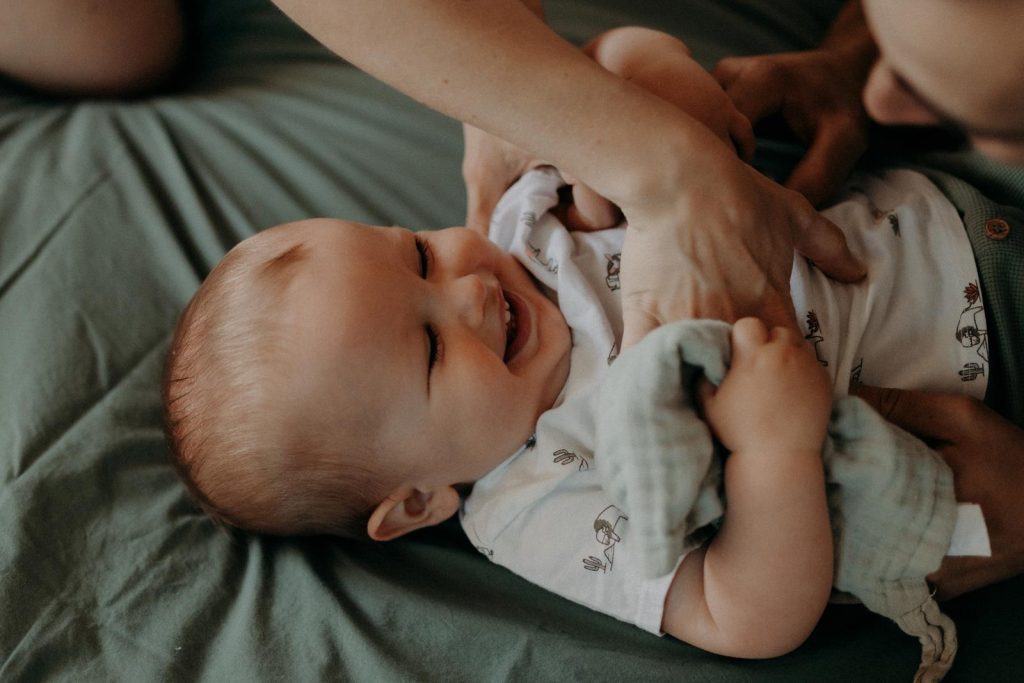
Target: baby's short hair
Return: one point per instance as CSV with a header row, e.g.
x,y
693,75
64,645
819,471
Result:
x,y
241,459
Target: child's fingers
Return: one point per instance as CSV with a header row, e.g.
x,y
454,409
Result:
x,y
705,392
747,334
787,335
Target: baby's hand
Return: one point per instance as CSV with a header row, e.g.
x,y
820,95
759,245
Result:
x,y
775,397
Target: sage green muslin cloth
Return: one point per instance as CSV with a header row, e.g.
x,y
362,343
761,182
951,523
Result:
x,y
890,497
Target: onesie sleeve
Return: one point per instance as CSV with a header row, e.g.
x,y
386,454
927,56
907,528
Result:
x,y
571,540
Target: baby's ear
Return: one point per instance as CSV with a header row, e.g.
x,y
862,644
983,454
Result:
x,y
408,509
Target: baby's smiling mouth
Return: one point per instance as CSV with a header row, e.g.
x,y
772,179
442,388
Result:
x,y
510,325
517,324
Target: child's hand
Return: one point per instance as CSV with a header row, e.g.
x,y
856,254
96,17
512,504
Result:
x,y
776,396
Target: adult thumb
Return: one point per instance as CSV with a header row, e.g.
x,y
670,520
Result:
x,y
820,240
481,198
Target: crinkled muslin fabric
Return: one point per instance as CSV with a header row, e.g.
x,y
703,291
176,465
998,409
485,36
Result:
x,y
891,498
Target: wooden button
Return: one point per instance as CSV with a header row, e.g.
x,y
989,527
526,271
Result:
x,y
997,229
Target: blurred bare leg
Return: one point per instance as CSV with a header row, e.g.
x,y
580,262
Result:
x,y
90,47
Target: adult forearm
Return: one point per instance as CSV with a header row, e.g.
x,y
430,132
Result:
x,y
494,64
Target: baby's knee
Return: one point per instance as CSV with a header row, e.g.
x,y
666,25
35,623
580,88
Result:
x,y
75,48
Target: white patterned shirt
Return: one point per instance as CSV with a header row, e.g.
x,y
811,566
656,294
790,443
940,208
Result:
x,y
916,321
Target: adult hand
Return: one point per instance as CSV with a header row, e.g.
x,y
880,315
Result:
x,y
722,249
986,453
720,235
817,94
489,167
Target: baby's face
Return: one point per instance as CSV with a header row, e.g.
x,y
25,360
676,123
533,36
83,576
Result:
x,y
441,335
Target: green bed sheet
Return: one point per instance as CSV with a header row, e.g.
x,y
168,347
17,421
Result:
x,y
111,213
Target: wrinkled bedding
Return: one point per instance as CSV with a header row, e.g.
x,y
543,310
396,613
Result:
x,y
111,213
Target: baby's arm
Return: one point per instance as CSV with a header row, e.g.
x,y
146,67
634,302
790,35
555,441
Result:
x,y
759,587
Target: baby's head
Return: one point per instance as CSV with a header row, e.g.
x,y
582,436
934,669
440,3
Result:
x,y
332,377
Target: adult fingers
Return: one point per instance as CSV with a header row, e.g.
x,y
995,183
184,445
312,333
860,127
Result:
x,y
728,70
741,132
828,162
749,83
482,196
489,166
926,414
820,240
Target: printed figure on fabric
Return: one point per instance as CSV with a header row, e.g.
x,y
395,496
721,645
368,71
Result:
x,y
814,335
612,265
971,332
604,532
564,456
613,353
549,264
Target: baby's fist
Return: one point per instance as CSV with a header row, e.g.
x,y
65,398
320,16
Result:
x,y
776,395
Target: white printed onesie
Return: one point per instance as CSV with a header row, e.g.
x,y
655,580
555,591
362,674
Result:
x,y
916,321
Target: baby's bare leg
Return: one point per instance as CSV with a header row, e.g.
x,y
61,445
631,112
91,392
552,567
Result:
x,y
90,47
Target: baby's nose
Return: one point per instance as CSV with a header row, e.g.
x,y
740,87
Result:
x,y
473,297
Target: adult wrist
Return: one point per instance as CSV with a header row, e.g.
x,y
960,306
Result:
x,y
663,174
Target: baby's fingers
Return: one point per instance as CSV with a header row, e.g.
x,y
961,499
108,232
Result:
x,y
706,390
787,335
747,335
712,408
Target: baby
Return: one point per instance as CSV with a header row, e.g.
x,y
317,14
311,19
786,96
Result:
x,y
337,378
329,374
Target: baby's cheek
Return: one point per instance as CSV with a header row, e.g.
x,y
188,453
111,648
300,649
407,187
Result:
x,y
504,431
